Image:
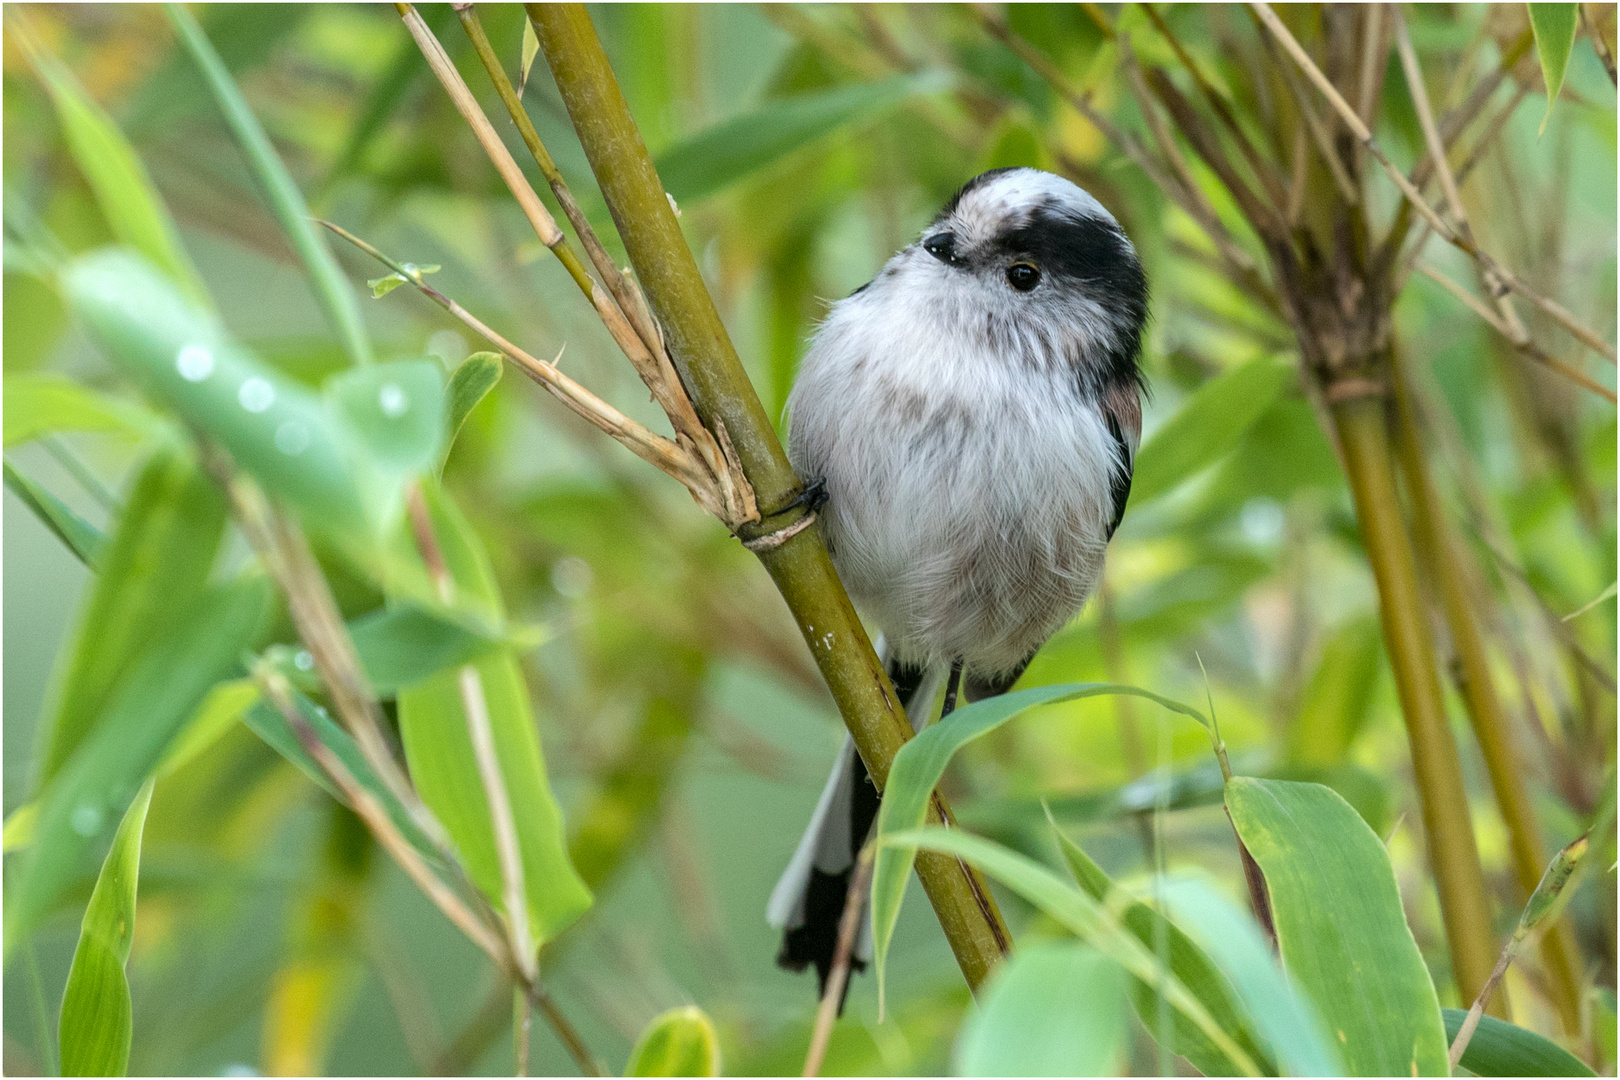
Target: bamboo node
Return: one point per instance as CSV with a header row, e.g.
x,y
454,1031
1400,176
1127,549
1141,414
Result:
x,y
1350,389
773,540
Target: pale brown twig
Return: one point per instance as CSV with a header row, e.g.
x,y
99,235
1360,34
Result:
x,y
832,998
1462,243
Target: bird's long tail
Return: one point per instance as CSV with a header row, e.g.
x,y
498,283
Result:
x,y
808,902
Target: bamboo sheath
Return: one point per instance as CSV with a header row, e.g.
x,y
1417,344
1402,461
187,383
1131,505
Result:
x,y
725,399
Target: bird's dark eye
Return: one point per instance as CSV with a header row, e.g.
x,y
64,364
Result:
x,y
1023,276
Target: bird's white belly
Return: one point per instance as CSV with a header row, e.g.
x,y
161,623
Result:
x,y
970,524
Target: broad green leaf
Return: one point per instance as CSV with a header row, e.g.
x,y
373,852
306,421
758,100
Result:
x,y
1080,915
222,708
152,568
123,189
439,751
1554,26
731,150
680,1042
96,1023
405,643
1284,1019
470,382
1208,425
331,288
1499,1048
1340,925
921,762
1054,1008
1189,963
182,659
40,404
80,537
340,460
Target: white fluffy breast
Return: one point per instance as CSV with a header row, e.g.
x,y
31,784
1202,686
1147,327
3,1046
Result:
x,y
969,493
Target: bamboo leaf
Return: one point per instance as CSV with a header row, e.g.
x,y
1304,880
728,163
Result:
x,y
1340,925
469,384
1499,1048
733,149
531,46
921,762
41,404
341,460
1189,963
77,534
97,1018
1554,26
1208,425
331,288
124,191
406,643
154,566
1282,1015
680,1042
183,658
433,727
1055,1008
1080,915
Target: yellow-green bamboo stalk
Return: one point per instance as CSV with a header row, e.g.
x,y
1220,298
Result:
x,y
1440,559
1453,854
725,399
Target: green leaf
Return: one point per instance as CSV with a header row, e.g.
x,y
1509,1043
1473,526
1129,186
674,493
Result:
x,y
80,537
1209,423
182,659
221,709
469,384
1054,1008
405,643
382,286
1080,915
124,191
341,460
97,1021
1189,963
331,288
41,404
1285,1020
1340,925
921,762
153,567
680,1042
1499,1048
531,46
733,149
433,727
1554,26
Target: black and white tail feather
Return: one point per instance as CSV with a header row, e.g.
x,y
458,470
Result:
x,y
974,412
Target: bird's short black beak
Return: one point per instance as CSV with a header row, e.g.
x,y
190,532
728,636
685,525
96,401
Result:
x,y
942,246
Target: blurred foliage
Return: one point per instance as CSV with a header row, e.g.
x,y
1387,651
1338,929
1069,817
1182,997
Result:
x,y
685,731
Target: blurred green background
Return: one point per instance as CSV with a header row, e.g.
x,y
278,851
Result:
x,y
686,731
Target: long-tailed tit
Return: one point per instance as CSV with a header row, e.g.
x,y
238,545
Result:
x,y
974,412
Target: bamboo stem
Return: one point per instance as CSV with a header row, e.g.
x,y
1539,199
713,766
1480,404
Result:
x,y
1453,854
702,351
1441,562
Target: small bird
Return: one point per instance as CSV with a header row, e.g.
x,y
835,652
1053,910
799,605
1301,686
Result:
x,y
972,416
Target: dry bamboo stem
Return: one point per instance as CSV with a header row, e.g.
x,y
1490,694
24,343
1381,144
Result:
x,y
1453,854
720,390
1440,557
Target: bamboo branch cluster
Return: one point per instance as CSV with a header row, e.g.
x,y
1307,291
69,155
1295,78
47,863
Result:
x,y
702,460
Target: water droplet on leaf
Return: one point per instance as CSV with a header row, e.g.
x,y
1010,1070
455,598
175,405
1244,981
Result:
x,y
256,395
302,660
195,363
392,400
86,820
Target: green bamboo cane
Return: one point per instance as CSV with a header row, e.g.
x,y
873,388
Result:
x,y
1440,559
794,556
1453,854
